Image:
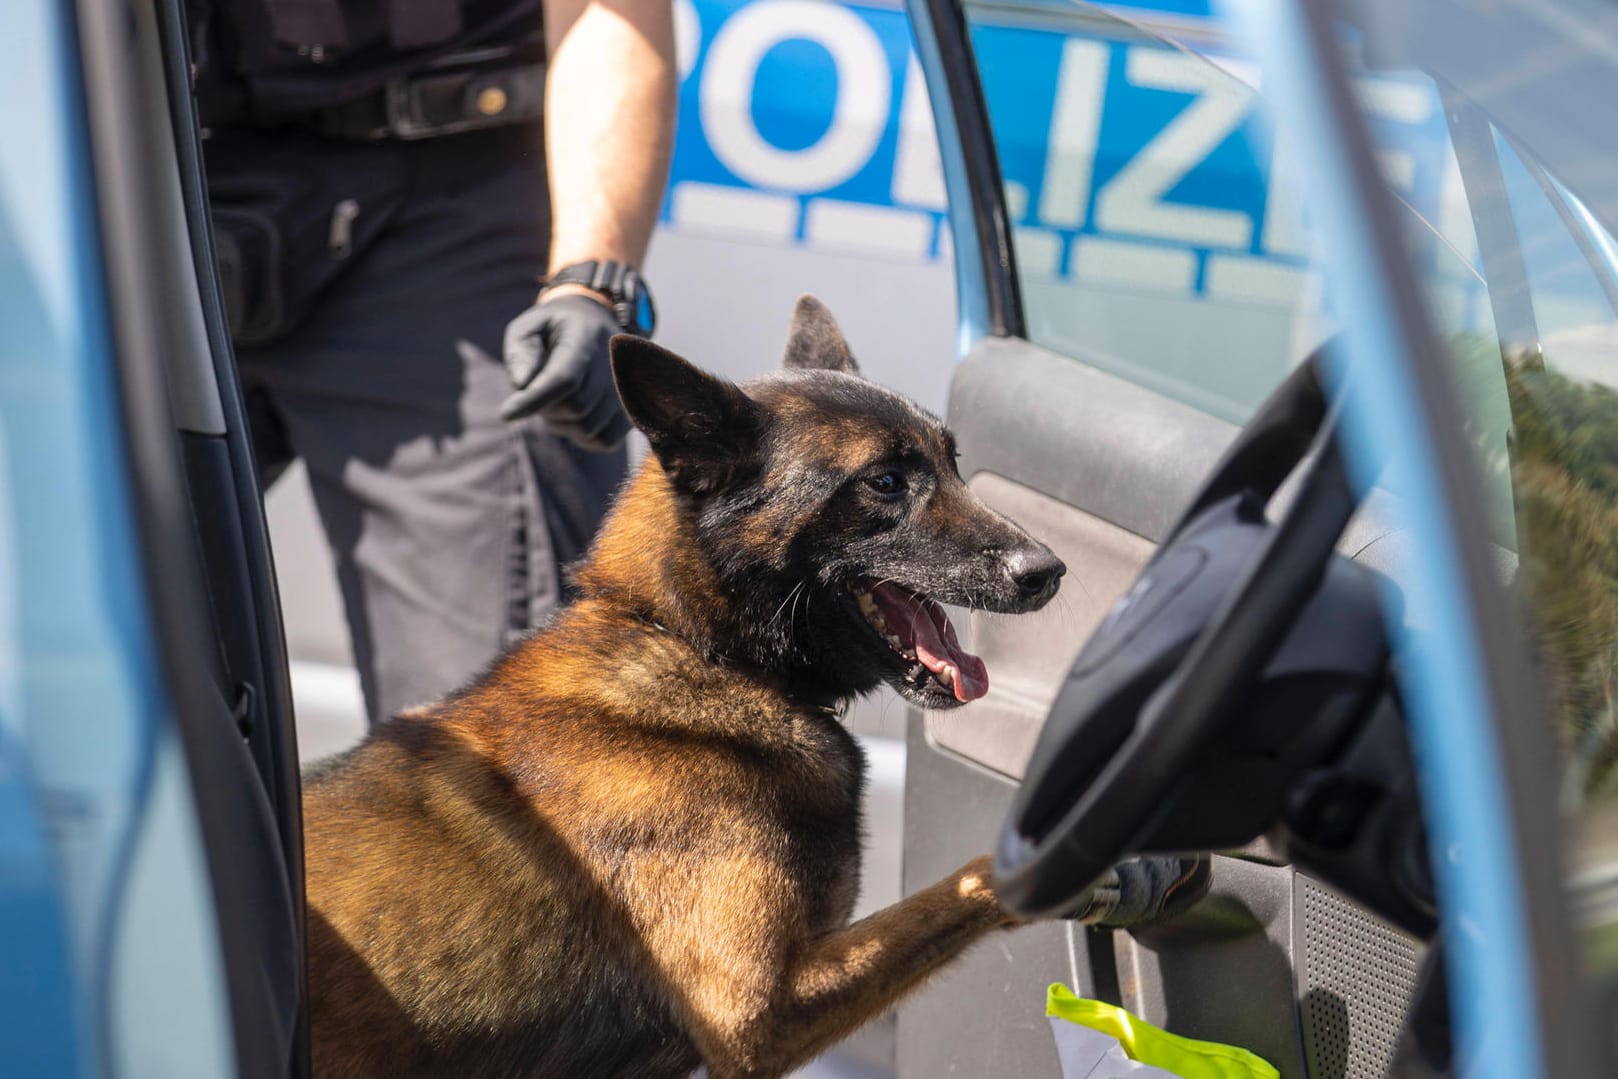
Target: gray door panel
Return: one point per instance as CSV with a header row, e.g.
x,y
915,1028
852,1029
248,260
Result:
x,y
1230,971
1100,469
1027,656
1269,935
984,1014
1087,438
1224,973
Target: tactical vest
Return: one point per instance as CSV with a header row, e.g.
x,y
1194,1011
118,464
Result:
x,y
269,59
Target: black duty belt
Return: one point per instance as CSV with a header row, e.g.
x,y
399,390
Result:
x,y
464,91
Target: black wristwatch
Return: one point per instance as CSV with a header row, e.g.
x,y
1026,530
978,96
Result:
x,y
623,287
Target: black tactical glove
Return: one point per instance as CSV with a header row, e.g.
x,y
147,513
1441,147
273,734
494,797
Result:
x,y
556,355
1149,888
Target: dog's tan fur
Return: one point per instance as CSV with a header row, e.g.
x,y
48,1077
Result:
x,y
621,851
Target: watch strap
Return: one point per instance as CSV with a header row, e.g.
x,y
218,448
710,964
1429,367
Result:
x,y
618,282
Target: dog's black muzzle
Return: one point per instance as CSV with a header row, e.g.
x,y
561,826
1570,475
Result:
x,y
1001,578
1035,573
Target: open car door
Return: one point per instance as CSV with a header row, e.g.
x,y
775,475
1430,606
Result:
x,y
1133,287
151,719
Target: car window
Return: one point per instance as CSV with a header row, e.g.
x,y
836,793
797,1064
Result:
x,y
1156,231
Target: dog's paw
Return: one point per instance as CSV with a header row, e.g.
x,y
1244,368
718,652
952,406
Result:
x,y
975,883
974,886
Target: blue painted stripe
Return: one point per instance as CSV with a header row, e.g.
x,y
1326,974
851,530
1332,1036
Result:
x,y
780,105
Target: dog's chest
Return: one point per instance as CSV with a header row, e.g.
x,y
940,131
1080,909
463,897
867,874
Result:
x,y
823,819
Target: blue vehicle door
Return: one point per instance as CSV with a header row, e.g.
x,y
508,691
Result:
x,y
148,719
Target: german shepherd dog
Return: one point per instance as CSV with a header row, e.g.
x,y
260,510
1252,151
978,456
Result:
x,y
632,845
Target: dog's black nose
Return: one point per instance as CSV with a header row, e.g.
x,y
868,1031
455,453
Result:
x,y
1034,571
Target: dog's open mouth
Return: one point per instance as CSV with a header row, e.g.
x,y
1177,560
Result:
x,y
917,629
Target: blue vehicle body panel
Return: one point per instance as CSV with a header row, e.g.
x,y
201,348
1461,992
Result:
x,y
40,1026
82,711
805,124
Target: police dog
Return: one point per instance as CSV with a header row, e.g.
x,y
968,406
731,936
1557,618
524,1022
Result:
x,y
632,845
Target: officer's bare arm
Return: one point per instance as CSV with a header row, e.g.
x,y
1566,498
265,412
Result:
x,y
609,124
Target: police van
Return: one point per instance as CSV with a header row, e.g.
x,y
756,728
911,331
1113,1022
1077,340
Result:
x,y
806,160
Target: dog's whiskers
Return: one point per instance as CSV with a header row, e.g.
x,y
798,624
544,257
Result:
x,y
792,615
789,599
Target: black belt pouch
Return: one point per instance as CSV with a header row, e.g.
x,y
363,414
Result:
x,y
284,234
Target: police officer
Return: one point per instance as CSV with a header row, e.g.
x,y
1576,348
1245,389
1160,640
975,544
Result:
x,y
390,179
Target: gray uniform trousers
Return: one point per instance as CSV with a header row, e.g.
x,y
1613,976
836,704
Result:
x,y
448,526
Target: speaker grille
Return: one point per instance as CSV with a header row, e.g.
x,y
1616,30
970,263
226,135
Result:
x,y
1357,980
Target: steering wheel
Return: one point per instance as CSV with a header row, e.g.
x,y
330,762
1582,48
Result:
x,y
1230,606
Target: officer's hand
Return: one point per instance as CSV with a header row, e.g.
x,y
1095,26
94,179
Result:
x,y
556,355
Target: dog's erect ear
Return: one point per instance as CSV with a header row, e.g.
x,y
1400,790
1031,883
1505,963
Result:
x,y
814,342
703,429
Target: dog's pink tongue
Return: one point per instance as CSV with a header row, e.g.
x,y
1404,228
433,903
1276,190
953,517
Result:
x,y
941,653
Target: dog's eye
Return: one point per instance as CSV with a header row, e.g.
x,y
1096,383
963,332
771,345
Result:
x,y
886,483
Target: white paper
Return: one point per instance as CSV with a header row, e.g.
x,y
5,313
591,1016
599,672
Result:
x,y
1090,1054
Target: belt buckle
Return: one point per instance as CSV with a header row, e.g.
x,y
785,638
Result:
x,y
404,114
489,89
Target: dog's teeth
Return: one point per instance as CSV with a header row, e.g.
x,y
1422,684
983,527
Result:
x,y
947,677
893,639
